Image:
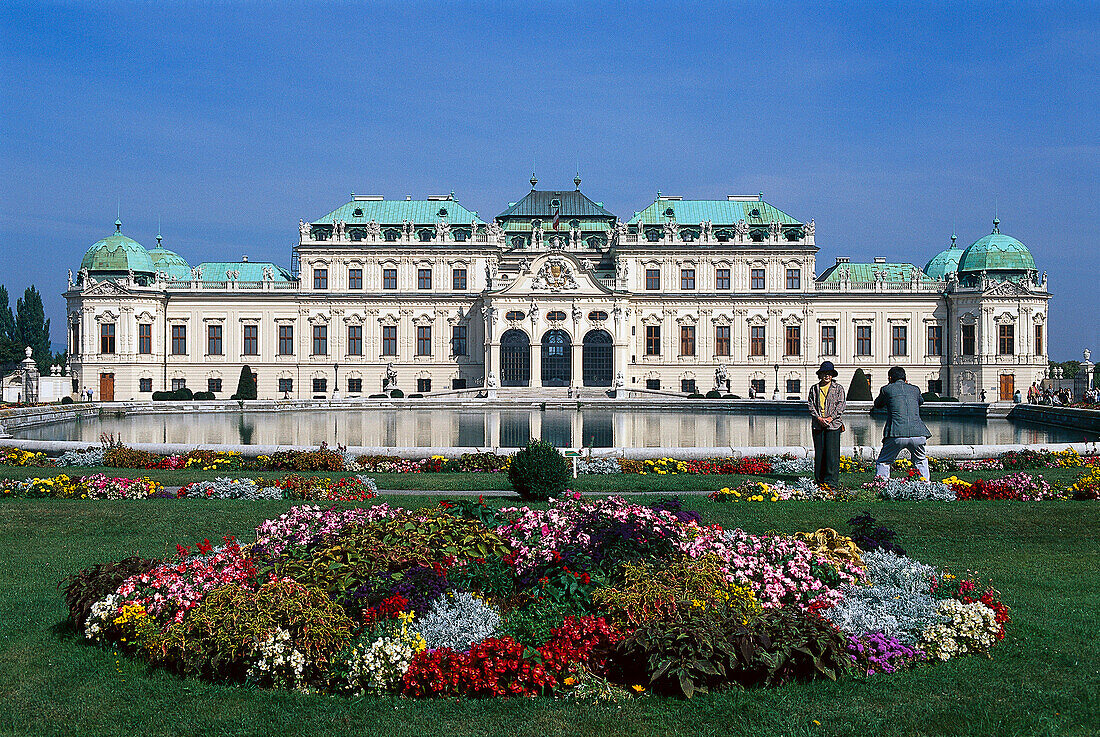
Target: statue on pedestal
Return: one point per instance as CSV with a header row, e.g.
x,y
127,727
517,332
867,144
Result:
x,y
303,230
390,382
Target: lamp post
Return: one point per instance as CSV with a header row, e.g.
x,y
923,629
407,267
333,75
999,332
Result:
x,y
775,394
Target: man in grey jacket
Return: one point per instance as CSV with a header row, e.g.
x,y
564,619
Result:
x,y
904,427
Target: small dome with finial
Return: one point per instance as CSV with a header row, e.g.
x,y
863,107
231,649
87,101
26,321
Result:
x,y
577,180
946,262
534,180
174,266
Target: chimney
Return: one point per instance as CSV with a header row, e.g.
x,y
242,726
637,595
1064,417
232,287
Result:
x,y
244,259
842,260
880,260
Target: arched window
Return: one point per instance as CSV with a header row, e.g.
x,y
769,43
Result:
x,y
652,235
391,234
597,315
555,316
514,315
518,241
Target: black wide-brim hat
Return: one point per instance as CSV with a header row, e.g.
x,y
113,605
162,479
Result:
x,y
827,368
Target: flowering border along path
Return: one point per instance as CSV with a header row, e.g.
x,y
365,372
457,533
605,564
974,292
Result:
x,y
588,598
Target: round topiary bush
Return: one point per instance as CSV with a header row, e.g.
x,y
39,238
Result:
x,y
696,396
538,472
183,394
397,394
66,400
379,396
714,394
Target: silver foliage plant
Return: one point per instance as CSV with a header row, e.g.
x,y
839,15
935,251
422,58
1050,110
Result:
x,y
600,466
787,464
224,487
457,620
895,601
916,490
90,457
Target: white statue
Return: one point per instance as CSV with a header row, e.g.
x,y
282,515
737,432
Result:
x,y
374,230
196,273
491,381
668,231
809,228
70,278
1087,354
442,230
620,380
82,276
339,228
496,232
576,314
774,230
269,273
741,229
303,230
536,236
407,229
721,377
524,265
391,378
620,232
130,276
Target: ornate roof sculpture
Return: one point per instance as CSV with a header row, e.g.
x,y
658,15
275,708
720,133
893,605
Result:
x,y
578,217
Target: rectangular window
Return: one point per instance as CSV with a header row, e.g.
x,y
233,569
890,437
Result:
x,y
968,340
935,386
320,278
213,340
389,340
286,386
107,337
320,340
179,384
320,386
458,383
179,340
757,385
687,386
423,340
423,278
687,278
863,340
355,386
286,340
389,278
213,385
1006,340
828,340
145,385
687,340
355,340
794,386
935,340
722,340
722,279
250,340
756,279
794,278
145,338
458,280
653,384
756,340
423,385
458,340
899,340
793,343
1038,340
653,340
652,278
355,278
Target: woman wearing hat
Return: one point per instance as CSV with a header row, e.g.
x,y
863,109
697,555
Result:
x,y
826,403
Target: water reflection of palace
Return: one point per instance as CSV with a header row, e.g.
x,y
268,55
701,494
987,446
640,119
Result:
x,y
511,428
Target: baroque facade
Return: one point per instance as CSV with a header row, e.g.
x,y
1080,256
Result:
x,y
556,291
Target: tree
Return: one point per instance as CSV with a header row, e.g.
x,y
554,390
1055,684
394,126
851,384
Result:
x,y
246,385
860,388
33,329
10,352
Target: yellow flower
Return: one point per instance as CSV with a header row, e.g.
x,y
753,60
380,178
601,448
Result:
x,y
570,681
638,689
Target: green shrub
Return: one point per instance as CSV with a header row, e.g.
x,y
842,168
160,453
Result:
x,y
162,396
378,396
538,472
120,456
205,396
66,400
415,396
860,388
696,396
533,623
183,394
246,385
714,394
397,393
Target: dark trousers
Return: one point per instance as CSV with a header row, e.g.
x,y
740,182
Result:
x,y
827,456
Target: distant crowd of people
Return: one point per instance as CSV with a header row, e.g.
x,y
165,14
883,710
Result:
x,y
1037,394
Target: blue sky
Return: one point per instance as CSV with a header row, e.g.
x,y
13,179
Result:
x,y
226,122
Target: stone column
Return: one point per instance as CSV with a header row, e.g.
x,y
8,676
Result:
x,y
576,376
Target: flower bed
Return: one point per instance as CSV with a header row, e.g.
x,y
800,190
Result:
x,y
589,597
98,486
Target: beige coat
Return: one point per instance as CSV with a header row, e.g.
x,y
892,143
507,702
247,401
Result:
x,y
834,405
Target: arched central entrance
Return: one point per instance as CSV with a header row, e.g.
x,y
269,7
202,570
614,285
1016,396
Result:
x,y
515,359
596,358
557,358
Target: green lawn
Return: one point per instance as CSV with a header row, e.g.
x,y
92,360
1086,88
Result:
x,y
1044,679
477,481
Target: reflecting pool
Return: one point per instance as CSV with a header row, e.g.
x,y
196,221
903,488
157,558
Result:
x,y
593,427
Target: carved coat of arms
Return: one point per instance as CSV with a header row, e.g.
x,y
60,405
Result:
x,y
555,275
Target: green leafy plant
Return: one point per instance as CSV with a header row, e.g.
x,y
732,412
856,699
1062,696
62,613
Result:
x,y
538,472
94,583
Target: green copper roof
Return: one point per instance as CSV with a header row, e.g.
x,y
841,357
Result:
x,y
117,253
945,262
866,273
719,212
395,212
540,204
170,262
250,270
996,252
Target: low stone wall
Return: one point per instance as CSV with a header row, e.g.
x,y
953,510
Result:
x,y
1087,420
20,417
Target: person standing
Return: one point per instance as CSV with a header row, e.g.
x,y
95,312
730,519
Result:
x,y
826,402
904,427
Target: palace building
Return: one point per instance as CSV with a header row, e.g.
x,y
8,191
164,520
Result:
x,y
555,291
